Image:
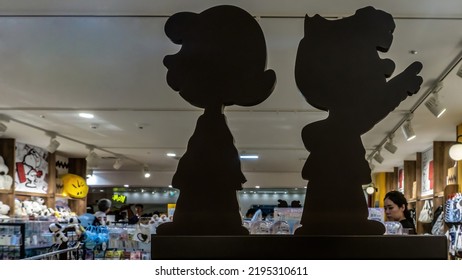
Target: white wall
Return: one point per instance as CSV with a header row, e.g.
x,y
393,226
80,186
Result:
x,y
246,200
164,178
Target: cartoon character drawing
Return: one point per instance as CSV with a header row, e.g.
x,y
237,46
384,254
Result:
x,y
28,169
338,70
221,63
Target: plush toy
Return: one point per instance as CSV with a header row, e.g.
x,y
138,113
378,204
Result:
x,y
19,211
58,233
6,181
74,186
28,208
4,209
74,223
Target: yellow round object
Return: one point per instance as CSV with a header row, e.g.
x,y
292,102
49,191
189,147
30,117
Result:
x,y
74,186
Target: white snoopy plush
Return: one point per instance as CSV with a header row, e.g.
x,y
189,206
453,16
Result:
x,y
58,233
6,181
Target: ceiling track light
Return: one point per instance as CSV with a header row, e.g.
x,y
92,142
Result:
x,y
371,165
118,163
407,129
389,146
433,103
3,127
89,173
379,158
54,144
92,158
146,171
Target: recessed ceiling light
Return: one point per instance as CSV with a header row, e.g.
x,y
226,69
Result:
x,y
126,185
171,154
86,115
257,187
249,156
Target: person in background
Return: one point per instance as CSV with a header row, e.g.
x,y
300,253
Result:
x,y
395,205
104,206
249,214
138,214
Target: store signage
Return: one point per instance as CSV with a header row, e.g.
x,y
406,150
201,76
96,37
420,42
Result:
x,y
119,198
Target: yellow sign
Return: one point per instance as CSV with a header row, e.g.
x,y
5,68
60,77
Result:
x,y
119,198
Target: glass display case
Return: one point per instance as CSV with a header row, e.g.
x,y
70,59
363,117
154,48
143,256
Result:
x,y
24,238
12,241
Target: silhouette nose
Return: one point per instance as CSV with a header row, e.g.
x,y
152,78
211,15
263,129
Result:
x,y
168,60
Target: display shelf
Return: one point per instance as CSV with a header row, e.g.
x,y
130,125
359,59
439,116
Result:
x,y
426,197
439,194
67,197
76,166
31,194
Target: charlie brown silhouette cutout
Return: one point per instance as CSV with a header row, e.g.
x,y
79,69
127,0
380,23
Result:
x,y
221,62
338,70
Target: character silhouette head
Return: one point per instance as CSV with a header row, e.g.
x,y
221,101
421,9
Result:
x,y
219,64
351,76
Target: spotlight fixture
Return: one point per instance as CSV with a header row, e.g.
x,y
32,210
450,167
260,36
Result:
x,y
92,158
89,173
54,144
146,171
433,103
379,158
371,165
389,146
407,129
3,126
455,152
118,163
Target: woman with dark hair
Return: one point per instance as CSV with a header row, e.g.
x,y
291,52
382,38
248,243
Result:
x,y
395,205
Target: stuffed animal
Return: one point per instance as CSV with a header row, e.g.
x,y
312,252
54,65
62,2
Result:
x,y
19,211
74,186
6,181
74,223
4,209
58,233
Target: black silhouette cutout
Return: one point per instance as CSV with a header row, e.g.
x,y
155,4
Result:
x,y
338,69
221,62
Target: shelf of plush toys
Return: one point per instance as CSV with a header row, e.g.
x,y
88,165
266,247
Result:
x,y
10,193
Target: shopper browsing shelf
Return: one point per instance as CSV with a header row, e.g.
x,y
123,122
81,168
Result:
x,y
395,205
138,213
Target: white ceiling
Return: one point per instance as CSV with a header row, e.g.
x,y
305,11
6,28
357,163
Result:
x,y
59,58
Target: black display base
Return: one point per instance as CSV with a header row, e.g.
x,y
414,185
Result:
x,y
295,247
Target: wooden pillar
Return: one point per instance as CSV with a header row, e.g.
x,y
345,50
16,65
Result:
x,y
78,166
7,151
409,178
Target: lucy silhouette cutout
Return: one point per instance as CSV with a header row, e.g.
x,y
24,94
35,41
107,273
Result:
x,y
221,62
338,70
